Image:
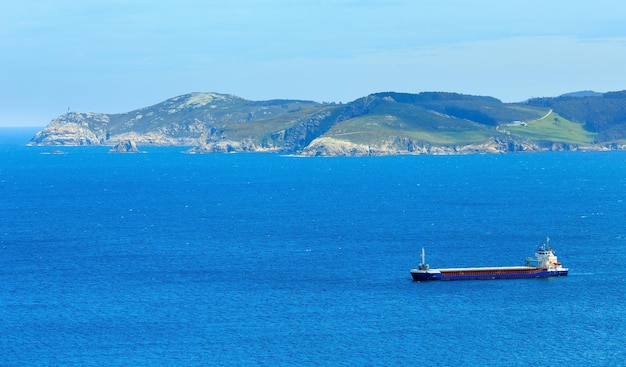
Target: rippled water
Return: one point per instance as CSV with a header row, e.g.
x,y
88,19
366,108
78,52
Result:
x,y
247,259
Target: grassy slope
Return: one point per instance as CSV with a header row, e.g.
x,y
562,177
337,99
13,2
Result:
x,y
555,128
263,129
372,128
429,122
417,123
235,118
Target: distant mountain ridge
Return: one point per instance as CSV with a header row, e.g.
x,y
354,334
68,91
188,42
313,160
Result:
x,y
582,93
378,124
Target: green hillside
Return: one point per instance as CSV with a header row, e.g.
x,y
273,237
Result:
x,y
387,122
555,128
604,114
389,119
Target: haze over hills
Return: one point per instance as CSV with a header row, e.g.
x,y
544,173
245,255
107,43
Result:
x,y
377,124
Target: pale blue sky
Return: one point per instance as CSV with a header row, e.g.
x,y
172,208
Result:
x,y
118,55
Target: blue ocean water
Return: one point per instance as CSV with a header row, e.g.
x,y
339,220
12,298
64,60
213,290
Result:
x,y
171,259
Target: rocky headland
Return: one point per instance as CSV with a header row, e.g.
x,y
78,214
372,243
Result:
x,y
379,124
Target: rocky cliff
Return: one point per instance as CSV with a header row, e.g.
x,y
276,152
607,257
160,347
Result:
x,y
378,124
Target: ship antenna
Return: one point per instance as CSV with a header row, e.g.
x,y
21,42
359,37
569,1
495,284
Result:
x,y
423,256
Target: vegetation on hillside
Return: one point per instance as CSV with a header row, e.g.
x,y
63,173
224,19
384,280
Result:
x,y
604,114
226,122
553,128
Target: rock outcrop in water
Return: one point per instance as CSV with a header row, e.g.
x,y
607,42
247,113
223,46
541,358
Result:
x,y
379,124
128,146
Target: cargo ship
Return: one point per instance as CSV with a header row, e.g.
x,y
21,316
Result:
x,y
545,264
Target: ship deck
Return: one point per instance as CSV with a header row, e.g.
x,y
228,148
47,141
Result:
x,y
491,268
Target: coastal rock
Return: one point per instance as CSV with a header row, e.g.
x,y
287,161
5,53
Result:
x,y
128,146
245,145
151,138
327,146
385,123
72,129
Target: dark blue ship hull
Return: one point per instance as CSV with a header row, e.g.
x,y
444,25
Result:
x,y
486,274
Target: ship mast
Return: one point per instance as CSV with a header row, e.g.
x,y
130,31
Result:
x,y
423,265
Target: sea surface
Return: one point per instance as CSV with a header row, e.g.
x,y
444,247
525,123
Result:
x,y
173,259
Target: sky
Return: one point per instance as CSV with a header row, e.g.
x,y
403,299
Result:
x,y
114,56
